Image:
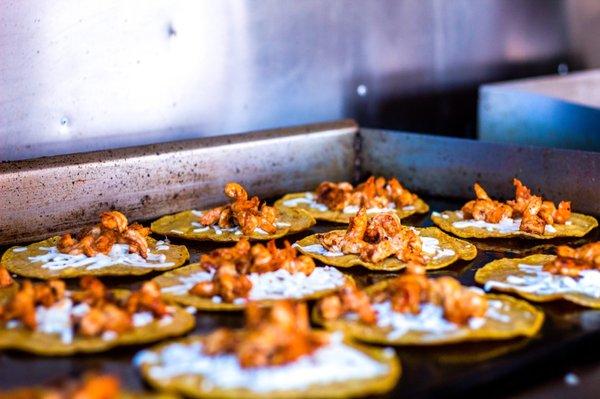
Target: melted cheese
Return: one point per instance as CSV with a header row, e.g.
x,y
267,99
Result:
x,y
537,281
119,254
334,362
272,285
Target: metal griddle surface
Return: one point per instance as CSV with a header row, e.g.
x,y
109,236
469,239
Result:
x,y
493,369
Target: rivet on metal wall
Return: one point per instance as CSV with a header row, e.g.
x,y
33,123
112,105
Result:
x,y
362,90
171,30
65,123
563,69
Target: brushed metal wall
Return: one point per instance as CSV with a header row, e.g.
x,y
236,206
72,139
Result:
x,y
87,75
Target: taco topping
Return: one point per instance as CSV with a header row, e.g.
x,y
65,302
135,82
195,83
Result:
x,y
92,312
409,302
527,212
373,193
5,279
276,351
375,239
247,214
244,272
272,337
572,271
572,261
112,229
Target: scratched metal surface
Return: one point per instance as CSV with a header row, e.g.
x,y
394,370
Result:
x,y
494,369
51,195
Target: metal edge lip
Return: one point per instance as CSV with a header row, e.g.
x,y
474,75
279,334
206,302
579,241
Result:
x,y
334,127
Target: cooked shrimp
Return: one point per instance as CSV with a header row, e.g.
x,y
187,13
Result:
x,y
5,279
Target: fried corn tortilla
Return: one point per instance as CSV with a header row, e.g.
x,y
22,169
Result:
x,y
525,320
500,269
43,344
192,385
17,261
462,250
180,225
340,217
580,226
173,277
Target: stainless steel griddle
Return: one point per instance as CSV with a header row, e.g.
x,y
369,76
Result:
x,y
46,196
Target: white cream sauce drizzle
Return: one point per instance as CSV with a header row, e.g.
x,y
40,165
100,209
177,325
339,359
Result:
x,y
273,285
19,249
308,199
334,362
162,245
430,320
537,281
119,254
506,225
319,249
431,247
200,228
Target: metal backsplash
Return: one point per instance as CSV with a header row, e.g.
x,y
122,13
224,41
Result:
x,y
54,195
87,75
448,167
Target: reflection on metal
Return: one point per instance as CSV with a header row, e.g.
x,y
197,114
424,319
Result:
x,y
448,167
53,195
558,111
81,76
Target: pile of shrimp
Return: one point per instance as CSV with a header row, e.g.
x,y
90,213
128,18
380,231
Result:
x,y
246,213
534,212
406,293
104,311
272,336
373,193
112,229
571,261
232,265
375,239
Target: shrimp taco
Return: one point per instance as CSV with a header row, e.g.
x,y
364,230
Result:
x,y
228,278
527,216
112,247
338,202
382,243
415,310
276,355
241,218
573,274
47,319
